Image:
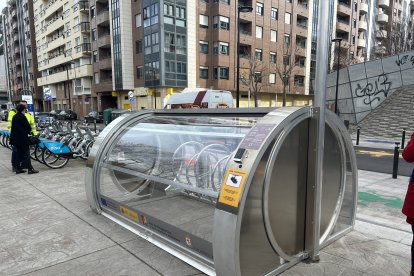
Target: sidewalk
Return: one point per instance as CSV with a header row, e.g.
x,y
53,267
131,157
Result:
x,y
47,228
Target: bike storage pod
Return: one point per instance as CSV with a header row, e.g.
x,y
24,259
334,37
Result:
x,y
229,191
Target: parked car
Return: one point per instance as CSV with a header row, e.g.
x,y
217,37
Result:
x,y
67,115
94,115
54,113
43,118
3,115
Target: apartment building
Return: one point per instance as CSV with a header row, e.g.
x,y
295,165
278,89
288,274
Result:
x,y
20,52
64,52
4,95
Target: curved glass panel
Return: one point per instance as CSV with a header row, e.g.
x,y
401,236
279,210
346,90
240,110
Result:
x,y
165,172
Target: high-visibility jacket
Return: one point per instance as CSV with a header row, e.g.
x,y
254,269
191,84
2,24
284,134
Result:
x,y
29,118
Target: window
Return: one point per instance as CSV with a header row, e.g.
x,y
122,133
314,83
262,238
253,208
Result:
x,y
353,40
95,56
204,47
221,48
355,6
301,61
259,31
274,14
181,44
221,73
273,35
272,78
150,15
203,73
96,77
354,22
203,21
140,72
169,46
299,81
92,12
181,70
147,44
257,77
272,57
221,22
288,18
258,54
286,59
155,42
287,39
138,46
180,16
169,14
170,66
138,19
94,35
259,8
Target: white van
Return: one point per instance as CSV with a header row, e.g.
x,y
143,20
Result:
x,y
200,98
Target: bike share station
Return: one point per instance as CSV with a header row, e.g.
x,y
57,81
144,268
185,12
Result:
x,y
229,191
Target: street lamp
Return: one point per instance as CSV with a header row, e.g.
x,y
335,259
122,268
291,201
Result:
x,y
239,10
337,72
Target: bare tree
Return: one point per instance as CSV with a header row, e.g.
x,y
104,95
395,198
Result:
x,y
345,58
285,69
394,38
253,76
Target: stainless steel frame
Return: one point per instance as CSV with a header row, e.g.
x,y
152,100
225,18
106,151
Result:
x,y
262,222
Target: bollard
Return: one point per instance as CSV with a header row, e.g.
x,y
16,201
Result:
x,y
358,132
94,125
403,139
396,159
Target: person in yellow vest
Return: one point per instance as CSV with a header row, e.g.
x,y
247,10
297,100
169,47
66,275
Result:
x,y
32,124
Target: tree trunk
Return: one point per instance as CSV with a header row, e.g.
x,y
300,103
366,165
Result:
x,y
256,101
284,95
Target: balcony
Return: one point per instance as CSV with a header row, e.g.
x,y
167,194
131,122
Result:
x,y
84,27
412,4
361,43
18,62
105,63
53,44
54,25
362,25
17,51
363,8
384,4
344,8
14,25
16,37
14,13
104,41
51,8
381,34
71,74
103,18
303,4
382,18
83,48
82,6
343,26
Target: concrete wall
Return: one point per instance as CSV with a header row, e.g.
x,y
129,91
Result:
x,y
363,86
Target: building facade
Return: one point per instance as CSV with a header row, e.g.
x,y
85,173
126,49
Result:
x,y
64,52
20,51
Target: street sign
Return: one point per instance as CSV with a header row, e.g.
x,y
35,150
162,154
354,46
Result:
x,y
29,100
131,96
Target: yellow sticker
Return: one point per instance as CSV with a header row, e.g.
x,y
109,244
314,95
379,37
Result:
x,y
232,187
129,213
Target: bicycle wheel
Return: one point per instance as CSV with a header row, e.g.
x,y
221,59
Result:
x,y
38,154
53,161
33,152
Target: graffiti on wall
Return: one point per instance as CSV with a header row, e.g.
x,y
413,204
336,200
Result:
x,y
404,59
374,89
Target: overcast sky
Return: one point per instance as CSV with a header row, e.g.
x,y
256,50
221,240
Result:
x,y
2,4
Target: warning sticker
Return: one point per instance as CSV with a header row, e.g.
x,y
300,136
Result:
x,y
232,187
129,213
